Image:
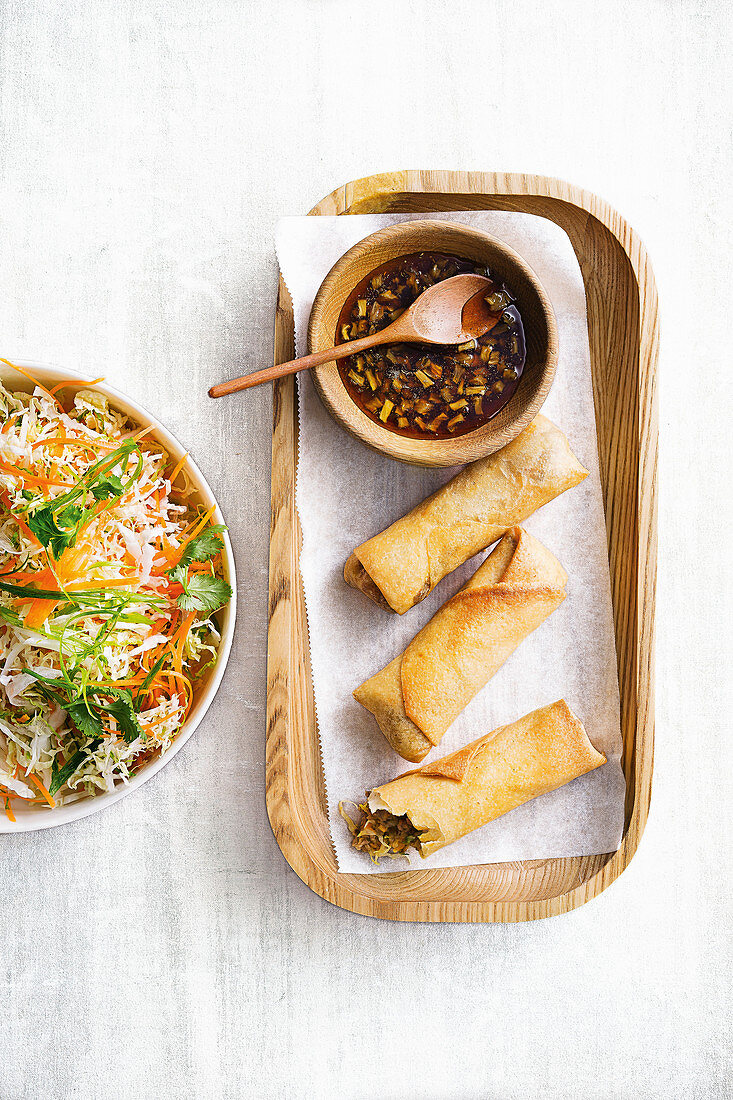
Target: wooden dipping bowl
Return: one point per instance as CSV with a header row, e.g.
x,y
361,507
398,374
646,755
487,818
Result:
x,y
540,330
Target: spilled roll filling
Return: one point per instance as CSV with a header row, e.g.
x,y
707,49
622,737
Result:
x,y
381,833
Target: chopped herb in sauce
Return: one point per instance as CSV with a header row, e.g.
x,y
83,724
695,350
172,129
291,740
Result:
x,y
428,391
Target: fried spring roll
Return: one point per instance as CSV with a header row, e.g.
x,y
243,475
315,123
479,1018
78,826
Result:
x,y
400,566
419,694
440,802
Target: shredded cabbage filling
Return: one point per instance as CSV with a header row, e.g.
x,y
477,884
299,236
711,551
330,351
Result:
x,y
381,833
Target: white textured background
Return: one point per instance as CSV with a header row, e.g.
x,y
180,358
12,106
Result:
x,y
164,948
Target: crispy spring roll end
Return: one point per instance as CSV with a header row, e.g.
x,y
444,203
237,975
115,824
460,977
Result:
x,y
356,575
382,695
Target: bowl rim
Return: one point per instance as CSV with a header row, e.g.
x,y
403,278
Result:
x,y
479,442
31,821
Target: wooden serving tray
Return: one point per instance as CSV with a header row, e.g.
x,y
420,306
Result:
x,y
621,302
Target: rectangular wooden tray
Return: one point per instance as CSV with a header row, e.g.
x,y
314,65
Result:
x,y
623,331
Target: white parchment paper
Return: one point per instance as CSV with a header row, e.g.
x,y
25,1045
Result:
x,y
346,493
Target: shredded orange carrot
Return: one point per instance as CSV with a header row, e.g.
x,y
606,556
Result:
x,y
179,676
5,793
65,440
30,477
177,469
80,385
168,552
39,610
39,577
101,582
143,432
34,779
179,640
24,576
69,564
201,566
29,376
37,613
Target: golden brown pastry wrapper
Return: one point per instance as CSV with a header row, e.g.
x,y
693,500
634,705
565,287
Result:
x,y
538,753
400,566
419,694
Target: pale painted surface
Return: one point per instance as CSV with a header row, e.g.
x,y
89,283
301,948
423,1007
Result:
x,y
164,948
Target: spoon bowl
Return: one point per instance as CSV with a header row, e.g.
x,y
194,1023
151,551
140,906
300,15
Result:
x,y
450,312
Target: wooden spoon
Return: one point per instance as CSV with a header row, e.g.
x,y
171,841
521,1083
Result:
x,y
451,312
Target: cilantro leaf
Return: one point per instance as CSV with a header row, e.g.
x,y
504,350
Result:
x,y
54,527
122,709
179,574
204,547
85,721
201,591
69,516
44,525
108,487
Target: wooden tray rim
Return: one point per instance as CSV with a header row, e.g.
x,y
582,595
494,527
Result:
x,y
350,891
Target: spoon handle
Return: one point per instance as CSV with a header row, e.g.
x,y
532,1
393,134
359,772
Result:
x,y
279,370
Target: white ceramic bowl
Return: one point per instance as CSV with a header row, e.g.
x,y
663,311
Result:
x,y
35,817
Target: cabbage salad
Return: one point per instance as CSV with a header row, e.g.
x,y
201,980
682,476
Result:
x,y
110,578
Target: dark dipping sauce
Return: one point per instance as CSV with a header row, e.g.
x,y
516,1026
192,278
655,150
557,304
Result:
x,y
428,391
